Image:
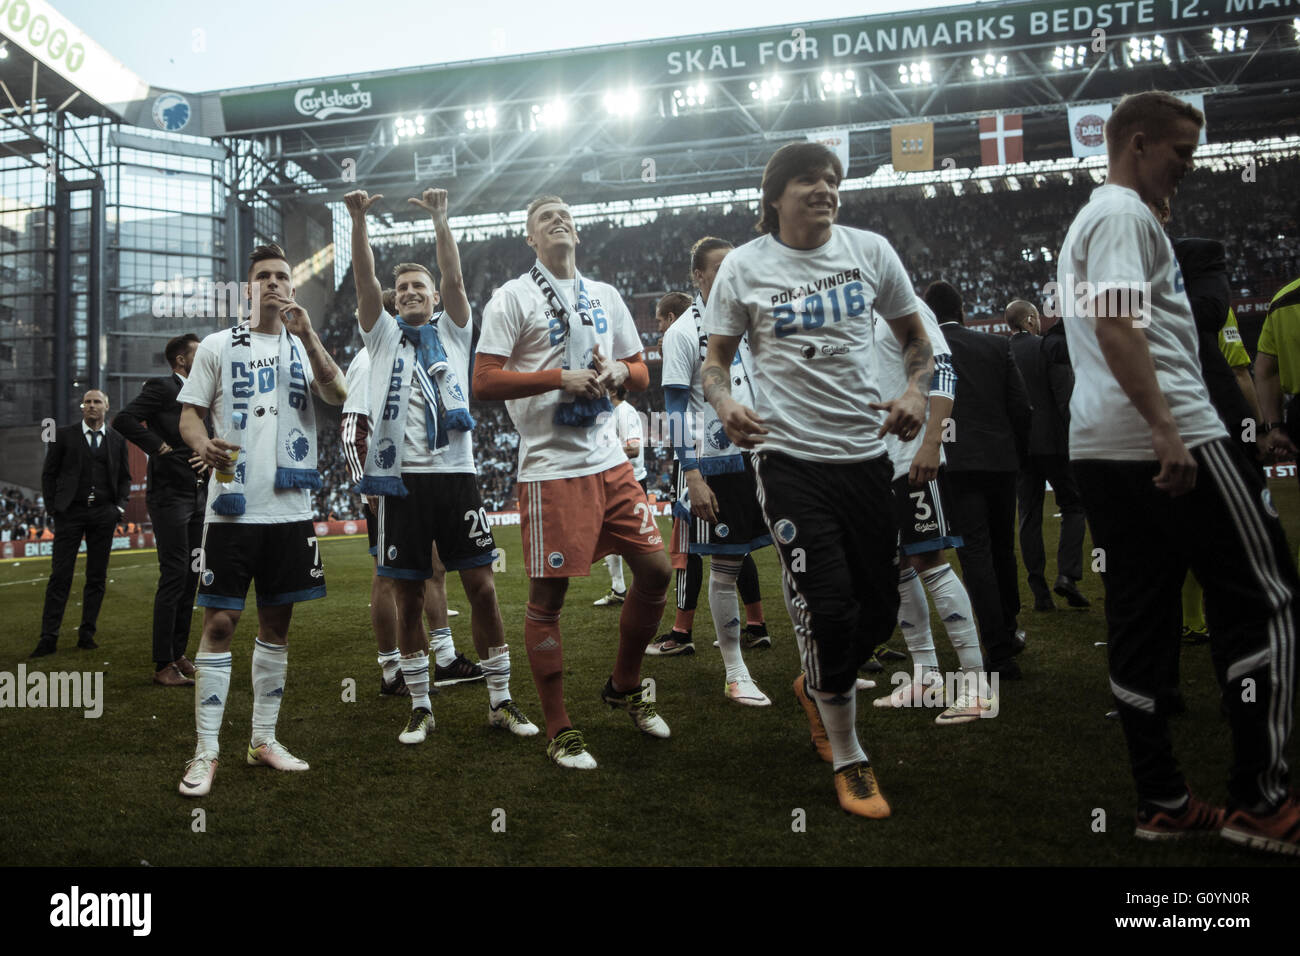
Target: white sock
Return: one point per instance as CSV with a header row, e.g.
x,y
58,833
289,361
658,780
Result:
x,y
211,688
953,604
391,662
914,622
725,608
441,646
839,714
416,671
270,665
615,565
496,671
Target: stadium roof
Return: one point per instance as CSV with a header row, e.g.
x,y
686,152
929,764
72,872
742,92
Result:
x,y
704,112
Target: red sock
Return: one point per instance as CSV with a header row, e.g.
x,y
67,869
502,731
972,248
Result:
x,y
636,628
683,621
546,658
754,613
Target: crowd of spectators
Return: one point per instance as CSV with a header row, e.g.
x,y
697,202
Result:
x,y
23,517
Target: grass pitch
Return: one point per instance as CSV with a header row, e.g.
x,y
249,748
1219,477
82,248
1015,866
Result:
x,y
734,785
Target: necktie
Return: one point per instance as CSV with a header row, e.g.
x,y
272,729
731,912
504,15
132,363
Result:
x,y
95,442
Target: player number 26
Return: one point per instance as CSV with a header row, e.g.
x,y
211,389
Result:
x,y
816,309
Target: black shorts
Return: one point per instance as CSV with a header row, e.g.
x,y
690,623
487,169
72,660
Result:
x,y
372,526
923,517
834,527
282,560
445,511
739,528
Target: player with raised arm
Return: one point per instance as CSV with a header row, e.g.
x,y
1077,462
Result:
x,y
449,667
420,461
258,525
552,342
716,490
804,293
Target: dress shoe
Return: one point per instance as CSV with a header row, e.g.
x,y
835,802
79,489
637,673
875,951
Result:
x,y
43,648
87,644
1042,594
169,676
185,665
1006,669
1066,589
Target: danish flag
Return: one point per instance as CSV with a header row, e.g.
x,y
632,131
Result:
x,y
1002,139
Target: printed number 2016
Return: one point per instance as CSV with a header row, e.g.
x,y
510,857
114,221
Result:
x,y
814,310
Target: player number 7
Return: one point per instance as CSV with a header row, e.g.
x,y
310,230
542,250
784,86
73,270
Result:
x,y
315,544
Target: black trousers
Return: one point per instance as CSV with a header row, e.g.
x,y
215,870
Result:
x,y
96,524
1227,531
834,527
1030,495
178,533
983,505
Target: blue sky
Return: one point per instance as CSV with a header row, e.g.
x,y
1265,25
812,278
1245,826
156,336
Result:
x,y
248,42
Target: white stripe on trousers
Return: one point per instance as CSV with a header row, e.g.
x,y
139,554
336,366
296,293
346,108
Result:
x,y
796,604
1281,629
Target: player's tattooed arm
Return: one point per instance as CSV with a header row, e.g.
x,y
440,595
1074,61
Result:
x,y
906,412
743,426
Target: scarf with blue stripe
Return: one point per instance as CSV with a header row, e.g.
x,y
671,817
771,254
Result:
x,y
445,405
579,332
295,417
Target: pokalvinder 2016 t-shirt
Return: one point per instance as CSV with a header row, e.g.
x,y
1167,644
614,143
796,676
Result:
x,y
809,317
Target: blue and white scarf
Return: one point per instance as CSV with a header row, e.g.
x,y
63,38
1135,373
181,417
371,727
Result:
x,y
579,331
415,357
295,419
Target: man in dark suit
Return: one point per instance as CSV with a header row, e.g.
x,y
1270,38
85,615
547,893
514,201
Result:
x,y
86,483
176,499
1045,367
990,437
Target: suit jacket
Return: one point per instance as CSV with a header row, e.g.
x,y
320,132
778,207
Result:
x,y
1049,432
63,463
992,408
156,405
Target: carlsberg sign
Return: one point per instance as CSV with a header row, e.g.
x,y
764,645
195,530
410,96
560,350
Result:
x,y
320,103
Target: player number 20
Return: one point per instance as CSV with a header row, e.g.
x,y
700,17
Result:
x,y
478,522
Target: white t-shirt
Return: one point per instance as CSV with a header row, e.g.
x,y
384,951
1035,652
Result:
x,y
814,370
625,425
893,382
263,502
518,324
458,457
1115,239
357,382
684,348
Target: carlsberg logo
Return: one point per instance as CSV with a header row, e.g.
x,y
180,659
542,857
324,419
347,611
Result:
x,y
322,104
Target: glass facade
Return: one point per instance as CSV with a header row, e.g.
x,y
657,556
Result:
x,y
174,208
